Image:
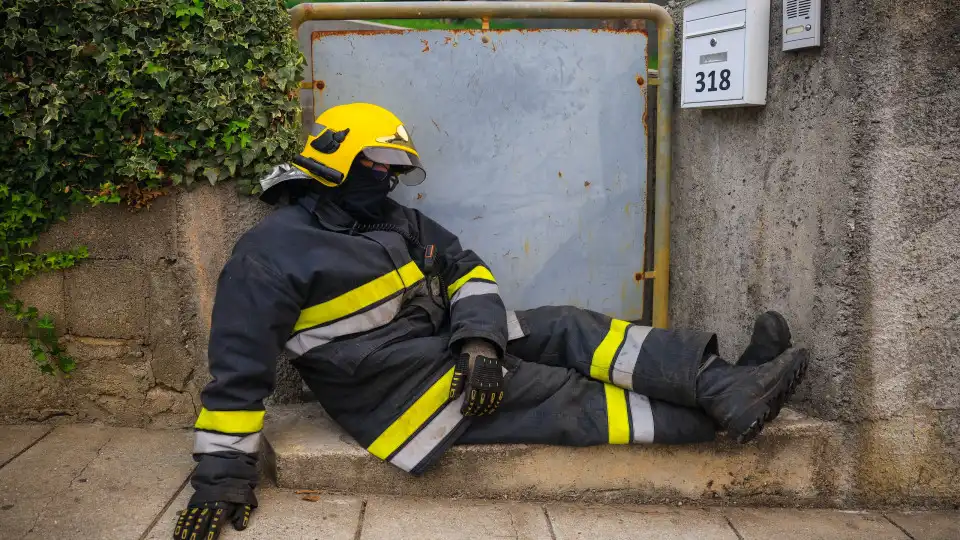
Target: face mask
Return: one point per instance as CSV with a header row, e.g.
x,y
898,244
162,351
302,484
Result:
x,y
364,193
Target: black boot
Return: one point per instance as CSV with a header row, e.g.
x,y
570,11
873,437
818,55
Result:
x,y
744,398
771,336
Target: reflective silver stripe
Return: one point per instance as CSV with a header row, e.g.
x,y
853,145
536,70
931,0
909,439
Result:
x,y
205,442
514,329
428,438
641,418
626,359
475,288
361,322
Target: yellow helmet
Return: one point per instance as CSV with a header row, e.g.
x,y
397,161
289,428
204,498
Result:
x,y
344,132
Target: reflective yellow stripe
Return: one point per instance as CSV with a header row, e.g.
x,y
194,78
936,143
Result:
x,y
414,417
618,422
230,421
478,272
607,351
363,296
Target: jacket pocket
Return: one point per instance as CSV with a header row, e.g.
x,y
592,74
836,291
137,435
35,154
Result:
x,y
345,355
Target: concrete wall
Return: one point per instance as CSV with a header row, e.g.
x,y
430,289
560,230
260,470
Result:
x,y
839,204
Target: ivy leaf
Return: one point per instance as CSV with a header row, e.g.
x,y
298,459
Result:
x,y
152,68
66,363
212,173
162,77
231,164
45,323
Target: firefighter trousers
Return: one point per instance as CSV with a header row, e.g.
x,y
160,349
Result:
x,y
579,378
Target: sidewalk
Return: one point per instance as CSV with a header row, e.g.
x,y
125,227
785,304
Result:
x,y
93,482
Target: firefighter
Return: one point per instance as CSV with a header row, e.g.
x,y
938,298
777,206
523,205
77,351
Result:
x,y
402,335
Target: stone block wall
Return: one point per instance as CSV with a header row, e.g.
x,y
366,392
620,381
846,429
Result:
x,y
135,315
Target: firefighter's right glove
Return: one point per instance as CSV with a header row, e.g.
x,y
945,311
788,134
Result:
x,y
479,375
205,521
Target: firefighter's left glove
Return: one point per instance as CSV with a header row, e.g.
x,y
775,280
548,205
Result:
x,y
205,521
479,375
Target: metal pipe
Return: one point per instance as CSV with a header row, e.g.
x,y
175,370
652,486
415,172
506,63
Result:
x,y
661,226
555,10
478,10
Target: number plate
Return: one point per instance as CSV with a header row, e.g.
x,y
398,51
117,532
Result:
x,y
713,68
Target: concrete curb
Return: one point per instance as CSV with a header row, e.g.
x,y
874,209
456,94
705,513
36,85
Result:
x,y
792,464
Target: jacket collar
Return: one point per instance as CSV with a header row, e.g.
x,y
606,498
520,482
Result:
x,y
327,212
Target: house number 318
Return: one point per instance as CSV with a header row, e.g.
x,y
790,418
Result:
x,y
702,83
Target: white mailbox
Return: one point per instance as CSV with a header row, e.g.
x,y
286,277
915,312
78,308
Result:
x,y
725,49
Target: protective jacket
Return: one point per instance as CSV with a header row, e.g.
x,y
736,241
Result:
x,y
373,316
328,292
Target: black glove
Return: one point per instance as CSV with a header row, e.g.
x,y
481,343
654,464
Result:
x,y
478,373
205,521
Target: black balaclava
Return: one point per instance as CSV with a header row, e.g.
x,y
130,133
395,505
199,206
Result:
x,y
363,194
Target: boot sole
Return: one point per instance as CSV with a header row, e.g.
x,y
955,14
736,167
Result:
x,y
769,407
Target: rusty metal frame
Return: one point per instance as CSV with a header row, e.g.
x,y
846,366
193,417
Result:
x,y
485,11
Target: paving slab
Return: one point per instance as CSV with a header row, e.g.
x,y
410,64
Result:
x,y
74,483
32,482
281,514
14,439
783,524
632,522
417,519
789,464
928,525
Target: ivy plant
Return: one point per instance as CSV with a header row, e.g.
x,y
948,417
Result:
x,y
106,101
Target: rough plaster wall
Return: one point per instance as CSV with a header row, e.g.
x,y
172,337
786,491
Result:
x,y
838,203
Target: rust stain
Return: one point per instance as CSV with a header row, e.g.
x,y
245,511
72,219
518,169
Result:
x,y
559,174
526,247
586,184
419,196
470,32
319,85
646,123
638,276
426,45
640,80
613,30
324,33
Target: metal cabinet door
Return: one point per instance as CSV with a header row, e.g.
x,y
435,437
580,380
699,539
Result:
x,y
535,147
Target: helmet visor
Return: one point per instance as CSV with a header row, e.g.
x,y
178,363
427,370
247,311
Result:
x,y
405,165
